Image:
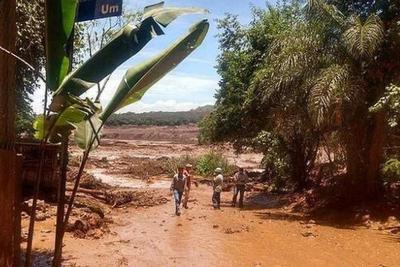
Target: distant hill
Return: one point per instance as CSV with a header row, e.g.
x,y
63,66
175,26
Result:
x,y
160,117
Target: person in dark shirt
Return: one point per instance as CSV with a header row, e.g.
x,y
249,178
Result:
x,y
178,186
240,179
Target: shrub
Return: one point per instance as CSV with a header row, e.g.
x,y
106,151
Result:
x,y
207,163
391,170
172,163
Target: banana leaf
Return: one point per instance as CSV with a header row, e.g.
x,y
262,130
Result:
x,y
165,15
69,116
87,131
60,18
126,43
137,80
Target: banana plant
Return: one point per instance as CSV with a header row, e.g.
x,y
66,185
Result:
x,y
68,112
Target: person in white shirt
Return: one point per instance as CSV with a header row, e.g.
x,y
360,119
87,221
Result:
x,y
217,188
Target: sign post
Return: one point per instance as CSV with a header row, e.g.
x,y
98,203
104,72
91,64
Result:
x,y
97,9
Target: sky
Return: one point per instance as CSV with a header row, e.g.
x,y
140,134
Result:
x,y
194,82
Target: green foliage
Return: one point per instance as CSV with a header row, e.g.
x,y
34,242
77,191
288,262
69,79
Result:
x,y
207,163
87,132
263,89
29,46
390,102
172,164
60,18
305,75
391,170
203,165
139,79
126,43
160,118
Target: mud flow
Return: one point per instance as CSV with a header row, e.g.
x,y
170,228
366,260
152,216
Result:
x,y
125,216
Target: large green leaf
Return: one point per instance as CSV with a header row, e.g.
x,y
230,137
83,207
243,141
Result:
x,y
126,43
165,15
38,126
86,131
60,18
65,120
139,79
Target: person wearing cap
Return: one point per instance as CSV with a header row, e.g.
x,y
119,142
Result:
x,y
186,172
217,188
240,179
178,186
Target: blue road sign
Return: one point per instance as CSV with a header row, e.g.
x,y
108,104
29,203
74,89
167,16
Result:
x,y
97,9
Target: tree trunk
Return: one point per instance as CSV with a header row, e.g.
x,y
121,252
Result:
x,y
299,164
364,145
9,178
7,72
375,155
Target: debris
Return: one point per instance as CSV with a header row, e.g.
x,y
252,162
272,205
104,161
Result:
x,y
308,234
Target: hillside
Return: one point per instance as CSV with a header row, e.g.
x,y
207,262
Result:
x,y
161,118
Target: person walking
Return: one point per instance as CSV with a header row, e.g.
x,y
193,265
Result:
x,y
217,188
177,188
187,173
240,179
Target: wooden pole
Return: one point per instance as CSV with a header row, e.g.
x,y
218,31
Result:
x,y
61,203
63,177
9,179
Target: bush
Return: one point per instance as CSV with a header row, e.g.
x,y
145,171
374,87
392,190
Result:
x,y
207,163
391,170
172,164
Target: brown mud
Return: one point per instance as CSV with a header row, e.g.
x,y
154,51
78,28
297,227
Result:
x,y
264,233
267,232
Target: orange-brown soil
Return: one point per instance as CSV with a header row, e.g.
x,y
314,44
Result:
x,y
265,233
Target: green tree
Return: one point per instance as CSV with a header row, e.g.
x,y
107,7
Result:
x,y
30,47
317,72
362,42
254,97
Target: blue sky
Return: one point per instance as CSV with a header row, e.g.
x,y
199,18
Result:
x,y
194,81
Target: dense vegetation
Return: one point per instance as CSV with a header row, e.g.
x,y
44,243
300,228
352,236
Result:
x,y
203,165
312,83
160,118
30,47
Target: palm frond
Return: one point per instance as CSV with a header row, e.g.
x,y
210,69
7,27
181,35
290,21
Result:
x,y
290,60
322,10
329,89
363,39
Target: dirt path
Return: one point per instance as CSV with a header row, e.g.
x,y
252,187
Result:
x,y
257,236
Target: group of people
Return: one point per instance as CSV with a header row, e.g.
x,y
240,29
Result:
x,y
182,181
239,180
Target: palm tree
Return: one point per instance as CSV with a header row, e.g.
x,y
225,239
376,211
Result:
x,y
340,61
366,62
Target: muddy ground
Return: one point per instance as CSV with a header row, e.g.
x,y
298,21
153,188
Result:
x,y
145,231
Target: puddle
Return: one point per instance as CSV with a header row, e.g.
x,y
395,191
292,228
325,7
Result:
x,y
127,182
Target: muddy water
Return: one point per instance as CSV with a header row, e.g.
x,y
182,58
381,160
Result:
x,y
257,236
128,182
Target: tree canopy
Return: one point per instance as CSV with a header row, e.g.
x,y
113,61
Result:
x,y
304,76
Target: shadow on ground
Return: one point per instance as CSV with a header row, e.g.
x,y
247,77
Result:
x,y
39,258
